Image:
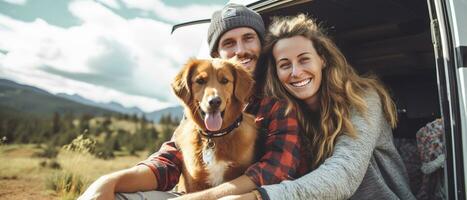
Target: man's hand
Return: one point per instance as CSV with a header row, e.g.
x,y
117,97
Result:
x,y
138,178
103,188
193,196
247,196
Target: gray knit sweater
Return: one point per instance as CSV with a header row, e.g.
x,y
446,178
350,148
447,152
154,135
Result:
x,y
366,167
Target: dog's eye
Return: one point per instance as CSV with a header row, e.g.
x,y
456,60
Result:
x,y
201,81
224,80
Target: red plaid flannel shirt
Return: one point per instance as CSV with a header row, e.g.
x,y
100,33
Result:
x,y
280,156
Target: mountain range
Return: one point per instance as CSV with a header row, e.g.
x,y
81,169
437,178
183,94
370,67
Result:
x,y
17,99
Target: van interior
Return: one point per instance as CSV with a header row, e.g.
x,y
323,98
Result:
x,y
392,39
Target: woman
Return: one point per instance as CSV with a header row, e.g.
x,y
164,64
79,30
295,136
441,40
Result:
x,y
345,118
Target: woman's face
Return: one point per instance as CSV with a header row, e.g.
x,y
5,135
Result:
x,y
299,68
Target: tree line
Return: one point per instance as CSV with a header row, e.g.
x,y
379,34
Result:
x,y
112,132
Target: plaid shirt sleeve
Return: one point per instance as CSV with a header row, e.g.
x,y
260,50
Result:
x,y
281,148
166,165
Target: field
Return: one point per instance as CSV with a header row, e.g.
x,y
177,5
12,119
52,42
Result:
x,y
24,175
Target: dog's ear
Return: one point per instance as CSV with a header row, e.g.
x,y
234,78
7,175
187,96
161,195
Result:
x,y
243,83
181,85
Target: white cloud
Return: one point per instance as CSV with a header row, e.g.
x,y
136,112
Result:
x,y
151,56
243,2
174,14
111,3
17,2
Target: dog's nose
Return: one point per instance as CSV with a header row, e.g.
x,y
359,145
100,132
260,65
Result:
x,y
215,102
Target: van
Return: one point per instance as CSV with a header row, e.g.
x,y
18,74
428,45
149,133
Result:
x,y
418,48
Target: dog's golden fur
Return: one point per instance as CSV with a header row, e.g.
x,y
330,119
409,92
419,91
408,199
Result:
x,y
198,81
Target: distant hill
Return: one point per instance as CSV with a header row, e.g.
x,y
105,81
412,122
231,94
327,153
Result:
x,y
155,116
109,106
17,99
176,111
8,83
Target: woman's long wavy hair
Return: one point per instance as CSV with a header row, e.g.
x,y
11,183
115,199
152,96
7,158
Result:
x,y
342,89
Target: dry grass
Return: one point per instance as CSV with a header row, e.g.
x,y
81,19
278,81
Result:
x,y
17,161
19,167
91,168
21,176
66,184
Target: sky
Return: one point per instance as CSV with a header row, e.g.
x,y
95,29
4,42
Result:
x,y
103,50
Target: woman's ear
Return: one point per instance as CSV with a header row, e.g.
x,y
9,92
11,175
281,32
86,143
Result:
x,y
243,83
181,86
323,61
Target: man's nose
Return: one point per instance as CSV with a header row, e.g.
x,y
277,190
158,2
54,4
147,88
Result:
x,y
240,50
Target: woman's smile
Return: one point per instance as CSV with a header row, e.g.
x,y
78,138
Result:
x,y
301,84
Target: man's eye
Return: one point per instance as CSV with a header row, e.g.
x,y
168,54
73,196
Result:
x,y
224,81
201,81
227,44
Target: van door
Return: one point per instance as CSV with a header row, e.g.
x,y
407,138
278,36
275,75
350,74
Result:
x,y
449,32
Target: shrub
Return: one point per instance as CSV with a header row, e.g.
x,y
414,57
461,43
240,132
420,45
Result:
x,y
3,140
104,153
48,152
66,184
53,164
85,145
43,163
13,177
81,144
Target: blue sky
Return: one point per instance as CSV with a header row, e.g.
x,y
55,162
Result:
x,y
103,50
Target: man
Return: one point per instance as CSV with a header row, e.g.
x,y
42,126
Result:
x,y
235,32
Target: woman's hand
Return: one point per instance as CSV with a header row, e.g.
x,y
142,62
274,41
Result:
x,y
102,189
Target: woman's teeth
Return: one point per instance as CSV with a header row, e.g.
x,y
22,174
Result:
x,y
301,83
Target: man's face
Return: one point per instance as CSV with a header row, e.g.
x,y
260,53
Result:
x,y
241,44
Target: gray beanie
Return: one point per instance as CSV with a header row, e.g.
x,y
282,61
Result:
x,y
230,17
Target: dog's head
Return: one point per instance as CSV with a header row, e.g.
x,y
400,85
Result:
x,y
213,90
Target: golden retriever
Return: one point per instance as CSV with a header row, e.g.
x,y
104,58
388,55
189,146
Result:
x,y
217,138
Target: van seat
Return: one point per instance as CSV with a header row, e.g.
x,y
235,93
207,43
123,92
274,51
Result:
x,y
423,158
407,148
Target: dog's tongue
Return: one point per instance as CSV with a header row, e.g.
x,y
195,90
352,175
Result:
x,y
213,121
